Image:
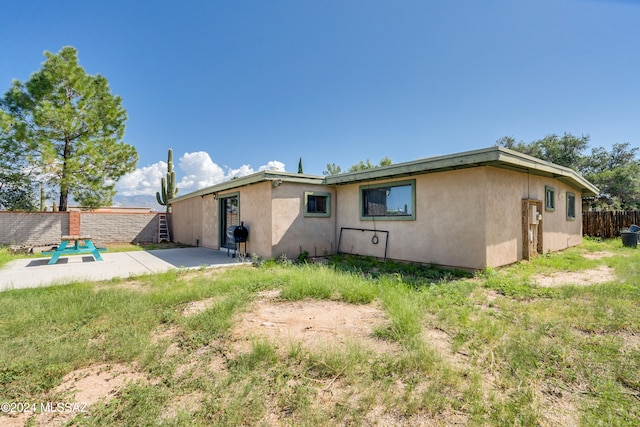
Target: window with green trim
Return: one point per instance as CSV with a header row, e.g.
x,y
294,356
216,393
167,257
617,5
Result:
x,y
571,206
549,198
388,201
317,204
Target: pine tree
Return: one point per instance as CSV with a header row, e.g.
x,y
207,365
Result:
x,y
72,128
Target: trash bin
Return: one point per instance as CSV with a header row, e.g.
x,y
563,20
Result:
x,y
629,239
634,228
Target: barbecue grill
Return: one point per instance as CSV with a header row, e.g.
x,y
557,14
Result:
x,y
238,234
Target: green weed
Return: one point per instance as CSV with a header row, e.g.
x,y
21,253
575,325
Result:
x,y
492,349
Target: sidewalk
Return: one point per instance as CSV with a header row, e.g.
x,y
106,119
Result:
x,y
35,272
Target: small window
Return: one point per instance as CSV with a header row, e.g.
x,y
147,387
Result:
x,y
571,206
388,201
549,199
317,204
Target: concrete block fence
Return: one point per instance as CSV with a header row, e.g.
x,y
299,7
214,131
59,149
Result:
x,y
45,228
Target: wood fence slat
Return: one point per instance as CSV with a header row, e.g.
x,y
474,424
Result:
x,y
607,224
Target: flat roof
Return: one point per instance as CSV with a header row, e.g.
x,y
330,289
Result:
x,y
266,175
493,156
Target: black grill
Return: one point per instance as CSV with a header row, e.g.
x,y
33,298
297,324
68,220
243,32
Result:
x,y
237,234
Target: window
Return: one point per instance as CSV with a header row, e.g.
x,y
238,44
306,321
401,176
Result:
x,y
571,206
317,204
549,199
388,201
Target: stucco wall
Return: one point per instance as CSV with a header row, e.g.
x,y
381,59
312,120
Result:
x,y
209,212
255,211
198,218
505,192
273,215
469,218
448,228
187,221
294,233
559,232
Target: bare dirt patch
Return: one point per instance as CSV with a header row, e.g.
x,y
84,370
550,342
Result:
x,y
186,403
601,274
560,409
197,307
597,255
312,323
80,389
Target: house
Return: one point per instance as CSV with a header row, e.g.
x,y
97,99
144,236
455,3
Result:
x,y
472,210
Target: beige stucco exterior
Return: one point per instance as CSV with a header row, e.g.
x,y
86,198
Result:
x,y
470,217
272,210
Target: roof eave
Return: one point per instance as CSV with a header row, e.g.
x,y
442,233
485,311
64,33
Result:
x,y
261,176
492,156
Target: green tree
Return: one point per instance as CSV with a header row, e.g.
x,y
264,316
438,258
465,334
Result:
x,y
332,169
364,165
72,128
602,160
616,172
565,150
300,165
16,186
619,188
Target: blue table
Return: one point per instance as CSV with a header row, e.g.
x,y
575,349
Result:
x,y
71,245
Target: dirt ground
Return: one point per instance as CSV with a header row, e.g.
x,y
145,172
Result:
x,y
601,274
311,323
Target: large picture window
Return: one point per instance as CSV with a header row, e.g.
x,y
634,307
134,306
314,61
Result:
x,y
388,201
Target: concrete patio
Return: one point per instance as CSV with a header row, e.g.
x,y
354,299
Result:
x,y
35,272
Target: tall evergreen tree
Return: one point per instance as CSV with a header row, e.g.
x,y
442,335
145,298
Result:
x,y
16,186
71,127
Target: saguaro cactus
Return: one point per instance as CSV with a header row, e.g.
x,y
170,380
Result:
x,y
168,184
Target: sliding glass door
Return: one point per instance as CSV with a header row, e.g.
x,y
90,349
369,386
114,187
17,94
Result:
x,y
229,216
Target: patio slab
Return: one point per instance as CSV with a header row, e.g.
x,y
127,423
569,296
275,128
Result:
x,y
35,272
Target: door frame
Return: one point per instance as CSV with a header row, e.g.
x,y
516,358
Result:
x,y
531,247
223,220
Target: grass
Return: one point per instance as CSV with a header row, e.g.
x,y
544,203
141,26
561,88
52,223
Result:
x,y
509,352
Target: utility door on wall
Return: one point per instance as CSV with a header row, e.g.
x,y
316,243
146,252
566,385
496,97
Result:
x,y
229,217
531,228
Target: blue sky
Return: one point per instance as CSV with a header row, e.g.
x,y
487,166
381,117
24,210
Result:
x,y
237,86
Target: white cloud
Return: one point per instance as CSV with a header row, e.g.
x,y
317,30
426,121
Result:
x,y
199,171
142,182
243,170
193,172
273,165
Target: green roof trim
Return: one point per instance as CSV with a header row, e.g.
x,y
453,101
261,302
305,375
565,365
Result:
x,y
266,175
493,156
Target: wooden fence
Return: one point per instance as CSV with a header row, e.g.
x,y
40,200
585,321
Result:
x,y
607,224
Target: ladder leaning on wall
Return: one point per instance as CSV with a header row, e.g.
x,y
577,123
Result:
x,y
163,229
